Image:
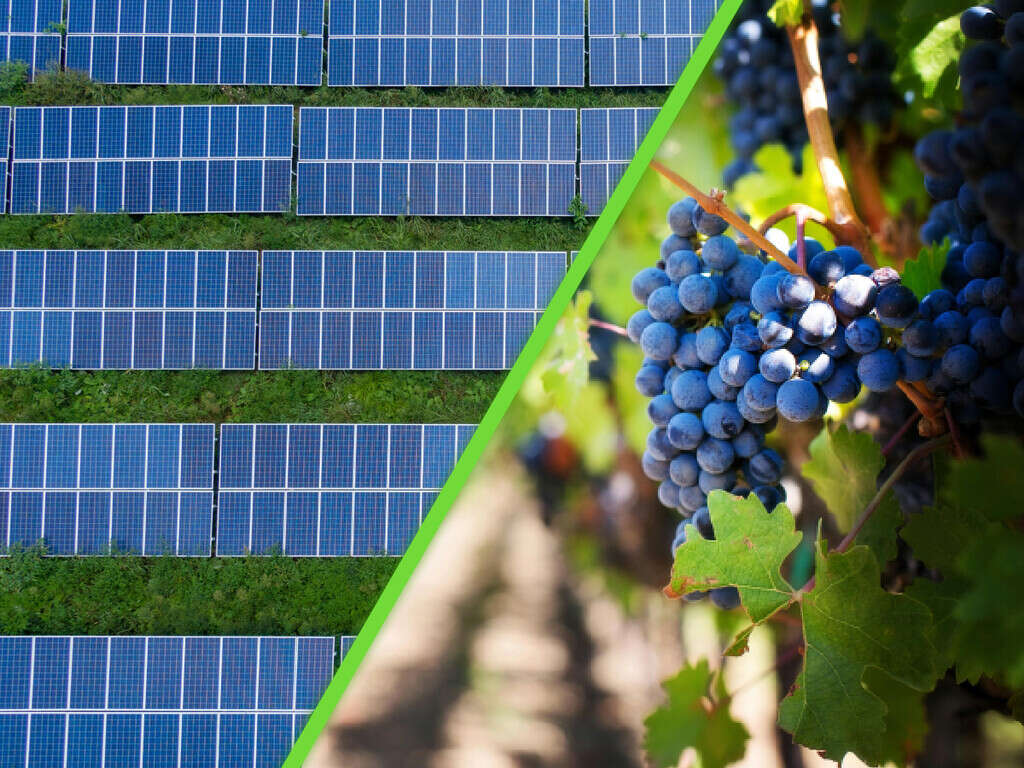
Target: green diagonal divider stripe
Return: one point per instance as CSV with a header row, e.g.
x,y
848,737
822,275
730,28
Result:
x,y
513,382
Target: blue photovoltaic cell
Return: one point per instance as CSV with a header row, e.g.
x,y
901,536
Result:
x,y
645,42
85,489
259,42
5,142
30,33
402,309
128,309
368,161
109,702
330,490
529,43
608,140
181,159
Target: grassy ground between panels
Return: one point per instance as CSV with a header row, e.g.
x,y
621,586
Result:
x,y
188,596
262,595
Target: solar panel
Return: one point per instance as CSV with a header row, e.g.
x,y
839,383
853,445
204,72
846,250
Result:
x,y
330,490
528,43
5,141
436,162
184,159
30,33
108,702
608,140
432,310
128,309
262,42
645,42
86,488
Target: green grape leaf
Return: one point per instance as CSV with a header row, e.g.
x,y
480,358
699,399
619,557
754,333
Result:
x,y
993,485
941,598
990,625
906,723
786,12
924,274
741,643
843,470
938,50
747,552
852,624
691,719
939,534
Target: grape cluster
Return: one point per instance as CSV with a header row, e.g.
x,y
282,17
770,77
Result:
x,y
756,64
980,164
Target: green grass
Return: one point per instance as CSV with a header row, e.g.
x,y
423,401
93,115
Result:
x,y
188,596
36,395
128,595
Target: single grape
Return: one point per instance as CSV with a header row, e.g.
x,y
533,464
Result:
x,y
795,291
722,419
711,481
765,468
855,295
685,431
815,366
684,470
843,385
879,370
921,338
719,389
715,455
745,336
742,276
961,363
747,443
736,366
720,252
826,267
816,323
797,400
987,337
654,469
668,494
685,355
980,23
690,390
764,293
951,328
682,264
777,365
913,368
760,393
663,304
692,498
637,324
650,380
698,294
775,330
680,217
712,341
896,305
659,341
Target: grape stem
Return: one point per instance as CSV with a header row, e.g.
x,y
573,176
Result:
x,y
918,453
803,39
934,422
608,327
868,190
894,440
809,214
713,204
801,244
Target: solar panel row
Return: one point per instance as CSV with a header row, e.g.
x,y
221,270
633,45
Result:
x,y
529,43
436,162
128,309
608,140
352,161
328,490
259,42
397,310
645,42
184,159
174,701
87,489
341,309
30,33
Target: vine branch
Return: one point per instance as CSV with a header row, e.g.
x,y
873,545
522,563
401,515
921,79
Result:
x,y
809,214
608,327
803,39
918,453
713,204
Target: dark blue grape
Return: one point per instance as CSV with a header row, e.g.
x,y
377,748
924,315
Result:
x,y
777,365
736,366
855,295
843,385
775,330
921,338
795,291
682,264
760,393
659,341
654,469
690,391
680,217
797,400
663,304
722,419
684,470
879,370
816,323
815,366
720,252
698,294
896,305
719,389
647,281
650,380
685,431
712,341
826,267
638,322
715,455
961,363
